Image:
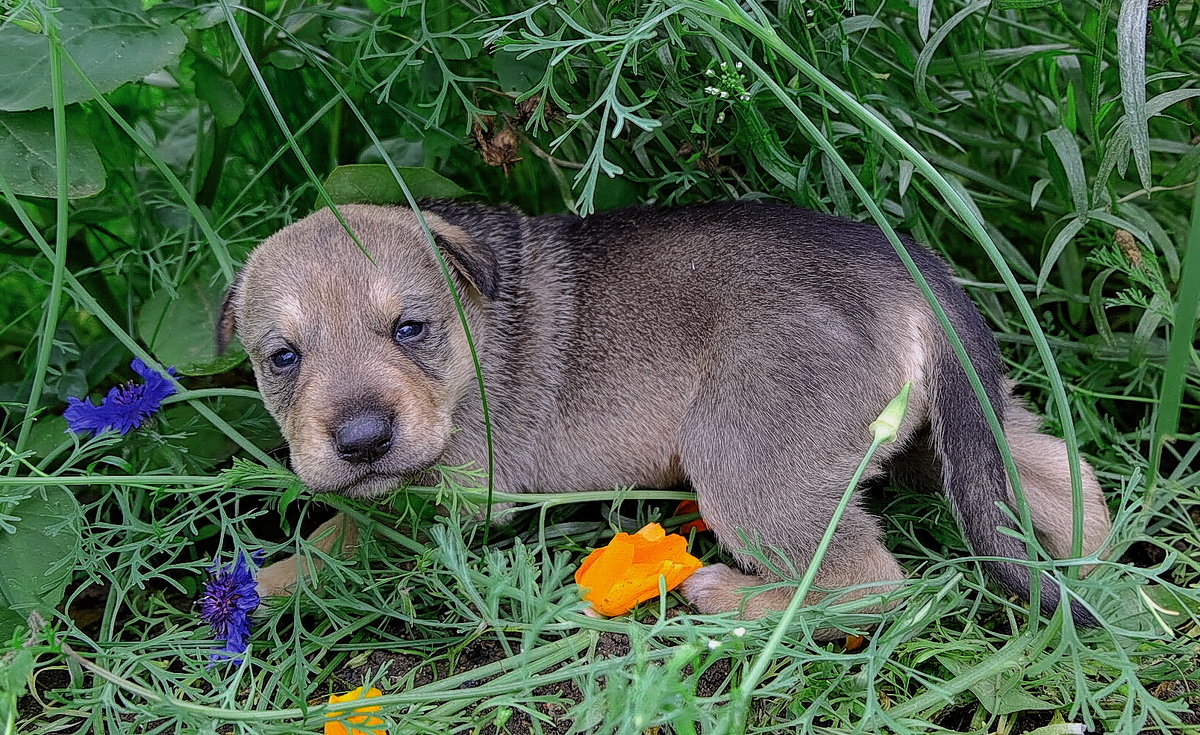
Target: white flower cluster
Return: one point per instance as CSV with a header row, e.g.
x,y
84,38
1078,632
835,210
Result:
x,y
730,83
714,644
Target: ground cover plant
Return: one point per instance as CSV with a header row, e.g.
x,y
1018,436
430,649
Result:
x,y
1048,150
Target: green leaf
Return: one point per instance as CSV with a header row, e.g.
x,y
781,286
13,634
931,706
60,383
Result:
x,y
374,184
1184,169
179,328
1023,4
1183,336
1131,58
1070,230
1069,175
14,675
39,553
1001,694
113,41
287,59
518,73
27,155
222,96
1152,608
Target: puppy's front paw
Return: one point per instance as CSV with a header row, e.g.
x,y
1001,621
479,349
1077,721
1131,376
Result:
x,y
716,588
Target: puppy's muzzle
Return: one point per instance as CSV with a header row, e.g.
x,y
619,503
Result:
x,y
364,438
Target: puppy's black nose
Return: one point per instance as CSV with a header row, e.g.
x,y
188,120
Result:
x,y
363,438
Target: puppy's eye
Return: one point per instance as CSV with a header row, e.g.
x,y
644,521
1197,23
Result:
x,y
285,358
406,333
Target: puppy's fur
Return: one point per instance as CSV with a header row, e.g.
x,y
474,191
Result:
x,y
743,348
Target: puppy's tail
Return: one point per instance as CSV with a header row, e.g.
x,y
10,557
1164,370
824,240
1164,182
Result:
x,y
973,472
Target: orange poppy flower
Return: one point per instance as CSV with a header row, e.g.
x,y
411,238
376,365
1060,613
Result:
x,y
686,508
616,577
338,727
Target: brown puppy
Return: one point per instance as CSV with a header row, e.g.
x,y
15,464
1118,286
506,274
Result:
x,y
743,348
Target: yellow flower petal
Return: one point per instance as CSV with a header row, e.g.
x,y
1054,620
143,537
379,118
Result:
x,y
618,576
339,726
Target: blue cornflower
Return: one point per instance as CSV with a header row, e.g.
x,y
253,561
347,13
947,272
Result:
x,y
125,408
229,598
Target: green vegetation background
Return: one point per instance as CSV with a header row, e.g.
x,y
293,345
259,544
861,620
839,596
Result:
x,y
1049,151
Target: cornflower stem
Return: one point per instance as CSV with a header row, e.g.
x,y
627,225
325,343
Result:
x,y
61,233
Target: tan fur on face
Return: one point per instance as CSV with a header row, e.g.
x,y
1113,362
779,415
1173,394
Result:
x,y
337,308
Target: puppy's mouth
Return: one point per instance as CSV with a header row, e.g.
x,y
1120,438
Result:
x,y
381,471
371,482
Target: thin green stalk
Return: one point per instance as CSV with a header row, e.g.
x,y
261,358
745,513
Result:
x,y
884,430
191,395
1183,335
294,144
54,299
125,480
215,241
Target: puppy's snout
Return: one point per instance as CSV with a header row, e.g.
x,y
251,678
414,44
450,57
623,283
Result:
x,y
363,438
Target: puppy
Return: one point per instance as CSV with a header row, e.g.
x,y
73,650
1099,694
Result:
x,y
743,348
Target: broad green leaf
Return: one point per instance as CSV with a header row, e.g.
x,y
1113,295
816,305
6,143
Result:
x,y
200,445
1070,230
517,73
27,155
39,553
1131,58
1184,169
49,434
374,184
1001,694
1152,608
113,41
287,59
1074,178
16,672
222,96
934,43
180,328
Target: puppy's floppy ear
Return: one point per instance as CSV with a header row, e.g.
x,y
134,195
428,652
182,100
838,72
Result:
x,y
474,240
226,317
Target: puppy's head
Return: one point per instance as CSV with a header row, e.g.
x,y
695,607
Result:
x,y
361,360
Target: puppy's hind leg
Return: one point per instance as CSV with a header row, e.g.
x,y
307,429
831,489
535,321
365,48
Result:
x,y
1045,476
762,476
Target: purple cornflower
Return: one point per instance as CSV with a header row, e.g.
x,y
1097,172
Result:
x,y
229,598
125,408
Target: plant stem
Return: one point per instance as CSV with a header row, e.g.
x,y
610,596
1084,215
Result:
x,y
54,300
